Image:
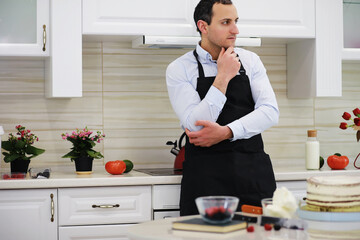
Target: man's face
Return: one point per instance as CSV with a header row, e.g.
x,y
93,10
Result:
x,y
223,30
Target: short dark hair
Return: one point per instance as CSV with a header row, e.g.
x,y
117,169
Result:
x,y
203,10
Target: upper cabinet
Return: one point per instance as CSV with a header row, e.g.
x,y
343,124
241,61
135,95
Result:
x,y
139,17
351,16
314,67
63,68
24,28
276,18
49,29
257,18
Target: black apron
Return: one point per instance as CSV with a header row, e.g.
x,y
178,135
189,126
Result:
x,y
238,168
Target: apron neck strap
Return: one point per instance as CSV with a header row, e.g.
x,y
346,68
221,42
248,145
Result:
x,y
242,70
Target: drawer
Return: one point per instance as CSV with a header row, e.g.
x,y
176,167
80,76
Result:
x,y
166,214
104,205
166,197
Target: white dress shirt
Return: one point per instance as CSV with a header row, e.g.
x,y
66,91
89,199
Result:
x,y
181,80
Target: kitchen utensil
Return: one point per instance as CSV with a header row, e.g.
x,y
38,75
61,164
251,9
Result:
x,y
217,209
178,152
251,209
285,222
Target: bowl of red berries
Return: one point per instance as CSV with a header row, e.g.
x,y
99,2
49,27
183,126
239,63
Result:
x,y
217,209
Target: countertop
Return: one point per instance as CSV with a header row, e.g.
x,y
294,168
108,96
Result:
x,y
68,178
161,230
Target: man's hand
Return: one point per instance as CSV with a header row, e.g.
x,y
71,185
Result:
x,y
210,134
228,66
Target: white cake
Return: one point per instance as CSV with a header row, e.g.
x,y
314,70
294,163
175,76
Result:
x,y
333,193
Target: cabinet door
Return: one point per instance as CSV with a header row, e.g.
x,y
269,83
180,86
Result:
x,y
166,197
314,65
276,18
63,69
24,28
351,17
139,17
104,205
118,232
28,214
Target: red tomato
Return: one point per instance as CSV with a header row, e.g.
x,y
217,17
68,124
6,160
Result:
x,y
115,167
337,162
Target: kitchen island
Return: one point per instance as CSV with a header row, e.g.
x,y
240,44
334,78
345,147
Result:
x,y
162,230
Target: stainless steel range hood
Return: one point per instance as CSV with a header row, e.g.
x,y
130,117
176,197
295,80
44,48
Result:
x,y
184,42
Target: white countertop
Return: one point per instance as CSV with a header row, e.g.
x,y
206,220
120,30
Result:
x,y
161,230
99,177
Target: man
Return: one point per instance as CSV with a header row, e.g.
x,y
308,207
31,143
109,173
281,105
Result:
x,y
224,100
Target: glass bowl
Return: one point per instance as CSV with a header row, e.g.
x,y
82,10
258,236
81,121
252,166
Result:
x,y
265,203
217,209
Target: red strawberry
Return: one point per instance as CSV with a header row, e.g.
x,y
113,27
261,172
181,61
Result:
x,y
6,176
222,209
250,229
267,227
211,211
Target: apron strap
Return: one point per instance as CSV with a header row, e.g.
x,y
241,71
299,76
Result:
x,y
201,70
242,70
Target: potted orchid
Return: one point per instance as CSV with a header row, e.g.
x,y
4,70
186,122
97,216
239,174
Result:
x,y
20,150
355,125
82,151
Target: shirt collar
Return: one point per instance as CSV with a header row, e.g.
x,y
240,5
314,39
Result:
x,y
204,56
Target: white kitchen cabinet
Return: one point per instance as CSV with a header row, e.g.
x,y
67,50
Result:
x,y
24,28
28,214
166,197
351,16
139,17
22,35
276,18
63,68
102,211
314,67
257,18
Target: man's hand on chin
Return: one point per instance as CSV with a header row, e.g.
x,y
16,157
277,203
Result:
x,y
211,133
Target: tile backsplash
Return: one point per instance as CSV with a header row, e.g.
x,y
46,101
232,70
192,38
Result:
x,y
125,97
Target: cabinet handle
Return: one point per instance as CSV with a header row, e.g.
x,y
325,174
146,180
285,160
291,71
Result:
x,y
106,206
44,38
52,207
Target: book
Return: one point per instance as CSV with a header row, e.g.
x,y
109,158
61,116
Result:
x,y
199,225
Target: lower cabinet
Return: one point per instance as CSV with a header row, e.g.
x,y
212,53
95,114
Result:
x,y
28,214
102,212
91,212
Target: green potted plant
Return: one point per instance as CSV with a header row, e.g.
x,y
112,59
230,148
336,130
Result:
x,y
20,150
82,151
